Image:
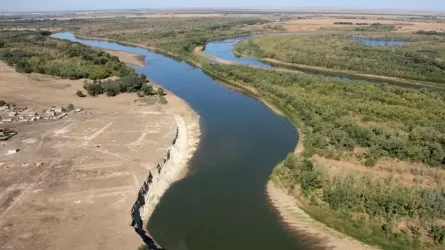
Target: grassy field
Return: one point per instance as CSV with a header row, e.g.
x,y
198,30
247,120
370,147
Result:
x,y
32,51
360,141
422,57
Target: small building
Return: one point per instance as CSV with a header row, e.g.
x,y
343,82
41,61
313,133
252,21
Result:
x,y
11,114
13,151
58,110
79,110
7,120
51,113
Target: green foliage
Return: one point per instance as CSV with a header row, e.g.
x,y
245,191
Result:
x,y
337,117
177,36
126,84
421,58
161,91
79,93
376,27
70,107
94,88
147,89
332,114
438,233
430,33
30,51
111,88
381,203
2,103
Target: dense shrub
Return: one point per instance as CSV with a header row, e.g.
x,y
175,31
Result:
x,y
420,58
30,51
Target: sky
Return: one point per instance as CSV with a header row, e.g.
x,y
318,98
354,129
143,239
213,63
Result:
x,y
58,5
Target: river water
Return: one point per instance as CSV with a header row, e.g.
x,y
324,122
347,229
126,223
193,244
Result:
x,y
222,203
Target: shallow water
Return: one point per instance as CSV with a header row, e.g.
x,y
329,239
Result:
x,y
224,50
222,204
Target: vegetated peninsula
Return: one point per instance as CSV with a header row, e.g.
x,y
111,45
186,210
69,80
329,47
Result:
x,y
416,57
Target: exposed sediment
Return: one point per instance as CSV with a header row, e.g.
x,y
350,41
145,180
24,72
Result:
x,y
169,170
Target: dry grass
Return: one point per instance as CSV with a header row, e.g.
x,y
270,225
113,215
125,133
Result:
x,y
406,173
316,24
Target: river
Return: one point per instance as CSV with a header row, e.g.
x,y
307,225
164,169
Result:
x,y
222,203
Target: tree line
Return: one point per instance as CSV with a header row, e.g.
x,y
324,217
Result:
x,y
35,52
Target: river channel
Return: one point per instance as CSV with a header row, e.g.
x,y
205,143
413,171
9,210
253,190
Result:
x,y
222,203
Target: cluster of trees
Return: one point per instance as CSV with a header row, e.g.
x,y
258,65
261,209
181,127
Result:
x,y
337,117
430,33
132,83
31,51
419,59
376,27
381,210
342,115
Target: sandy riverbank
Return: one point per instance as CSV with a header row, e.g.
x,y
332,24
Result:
x,y
299,221
128,58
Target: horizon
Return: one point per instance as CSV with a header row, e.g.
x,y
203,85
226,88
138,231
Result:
x,y
27,6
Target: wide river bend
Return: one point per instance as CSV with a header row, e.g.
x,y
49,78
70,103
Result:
x,y
222,203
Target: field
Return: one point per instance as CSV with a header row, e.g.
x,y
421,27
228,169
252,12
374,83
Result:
x,y
403,25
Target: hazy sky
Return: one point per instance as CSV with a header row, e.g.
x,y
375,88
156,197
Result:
x,y
50,5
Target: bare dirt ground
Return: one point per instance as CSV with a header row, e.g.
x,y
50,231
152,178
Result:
x,y
128,58
74,181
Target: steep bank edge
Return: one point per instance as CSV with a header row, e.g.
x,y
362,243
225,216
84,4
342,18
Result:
x,y
171,169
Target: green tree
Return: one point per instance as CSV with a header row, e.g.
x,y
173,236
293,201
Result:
x,y
147,89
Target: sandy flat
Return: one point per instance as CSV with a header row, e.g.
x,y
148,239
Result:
x,y
128,58
74,181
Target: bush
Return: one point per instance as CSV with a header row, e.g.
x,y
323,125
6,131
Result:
x,y
370,161
70,107
111,88
147,89
93,89
79,93
161,92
